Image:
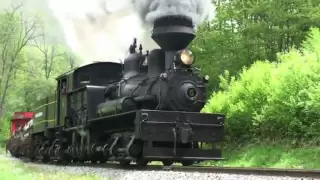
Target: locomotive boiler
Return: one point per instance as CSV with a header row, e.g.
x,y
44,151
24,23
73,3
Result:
x,y
146,109
168,82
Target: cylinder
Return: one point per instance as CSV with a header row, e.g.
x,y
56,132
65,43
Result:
x,y
116,106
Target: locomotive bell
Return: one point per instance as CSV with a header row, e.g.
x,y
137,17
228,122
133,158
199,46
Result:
x,y
173,33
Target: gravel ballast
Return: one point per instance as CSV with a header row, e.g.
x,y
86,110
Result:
x,y
118,174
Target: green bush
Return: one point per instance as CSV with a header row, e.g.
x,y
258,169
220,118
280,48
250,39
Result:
x,y
4,130
274,100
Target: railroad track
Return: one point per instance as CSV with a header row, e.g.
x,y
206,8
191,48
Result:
x,y
206,169
255,171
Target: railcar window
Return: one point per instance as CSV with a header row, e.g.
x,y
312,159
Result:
x,y
63,88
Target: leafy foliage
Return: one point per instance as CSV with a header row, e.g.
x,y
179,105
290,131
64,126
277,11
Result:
x,y
246,31
4,131
274,99
29,64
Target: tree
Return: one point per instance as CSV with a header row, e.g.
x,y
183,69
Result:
x,y
49,53
17,30
71,59
246,31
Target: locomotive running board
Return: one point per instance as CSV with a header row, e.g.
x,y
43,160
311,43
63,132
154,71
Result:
x,y
176,127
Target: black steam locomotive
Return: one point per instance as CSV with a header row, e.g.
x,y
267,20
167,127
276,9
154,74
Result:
x,y
146,109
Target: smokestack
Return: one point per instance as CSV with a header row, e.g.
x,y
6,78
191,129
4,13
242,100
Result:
x,y
173,33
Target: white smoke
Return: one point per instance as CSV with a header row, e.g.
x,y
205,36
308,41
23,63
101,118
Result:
x,y
102,30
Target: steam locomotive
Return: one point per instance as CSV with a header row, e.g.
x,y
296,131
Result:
x,y
146,109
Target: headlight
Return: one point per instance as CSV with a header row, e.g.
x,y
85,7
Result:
x,y
186,57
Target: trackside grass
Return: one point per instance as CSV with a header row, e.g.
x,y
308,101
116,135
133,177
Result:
x,y
16,170
269,156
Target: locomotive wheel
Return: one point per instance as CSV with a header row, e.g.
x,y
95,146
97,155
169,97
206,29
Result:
x,y
32,159
66,160
142,162
45,159
63,162
167,162
187,163
30,155
125,162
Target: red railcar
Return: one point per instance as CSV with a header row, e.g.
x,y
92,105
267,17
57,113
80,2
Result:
x,y
20,119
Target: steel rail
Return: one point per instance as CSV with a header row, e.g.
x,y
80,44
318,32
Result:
x,y
254,171
313,173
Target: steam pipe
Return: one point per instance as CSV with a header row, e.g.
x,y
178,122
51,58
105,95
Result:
x,y
144,98
169,56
